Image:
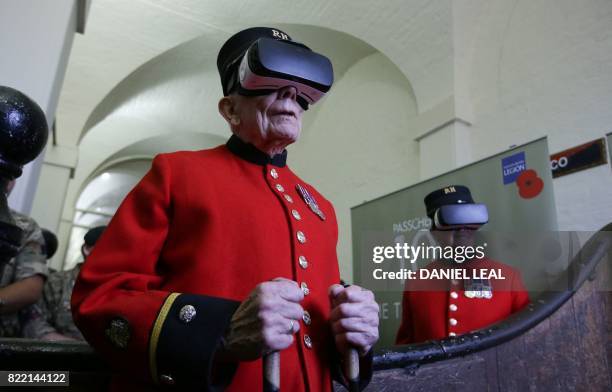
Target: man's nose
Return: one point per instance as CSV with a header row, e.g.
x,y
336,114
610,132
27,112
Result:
x,y
287,92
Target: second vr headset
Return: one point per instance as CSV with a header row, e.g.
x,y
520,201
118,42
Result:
x,y
456,216
270,64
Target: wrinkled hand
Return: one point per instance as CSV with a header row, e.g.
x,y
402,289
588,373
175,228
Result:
x,y
265,321
354,318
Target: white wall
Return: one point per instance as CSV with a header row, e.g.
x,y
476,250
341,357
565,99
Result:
x,y
544,68
35,40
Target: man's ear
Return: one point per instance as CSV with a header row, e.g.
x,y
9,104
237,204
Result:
x,y
227,109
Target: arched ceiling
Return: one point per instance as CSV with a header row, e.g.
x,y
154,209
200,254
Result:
x,y
122,36
148,148
105,191
141,63
176,93
168,90
188,71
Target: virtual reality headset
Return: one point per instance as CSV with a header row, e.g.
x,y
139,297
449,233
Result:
x,y
461,216
270,64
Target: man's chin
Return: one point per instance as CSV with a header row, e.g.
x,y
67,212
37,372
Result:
x,y
464,242
288,136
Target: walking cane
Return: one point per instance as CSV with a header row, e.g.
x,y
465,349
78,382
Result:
x,y
271,372
351,369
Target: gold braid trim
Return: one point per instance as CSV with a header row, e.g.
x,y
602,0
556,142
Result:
x,y
157,327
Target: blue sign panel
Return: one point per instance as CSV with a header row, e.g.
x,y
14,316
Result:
x,y
512,166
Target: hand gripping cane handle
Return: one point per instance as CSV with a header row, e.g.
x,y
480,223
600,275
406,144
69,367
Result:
x,y
351,369
271,372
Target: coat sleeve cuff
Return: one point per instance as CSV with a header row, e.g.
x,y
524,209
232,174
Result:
x,y
185,336
365,370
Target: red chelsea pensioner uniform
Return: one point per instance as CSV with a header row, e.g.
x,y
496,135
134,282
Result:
x,y
436,309
187,245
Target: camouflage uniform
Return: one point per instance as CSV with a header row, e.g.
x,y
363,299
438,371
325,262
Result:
x,y
30,261
52,312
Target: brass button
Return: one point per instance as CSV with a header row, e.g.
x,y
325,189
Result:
x,y
166,379
303,262
452,321
305,288
301,237
454,295
187,313
288,198
306,318
280,188
274,173
307,341
451,334
119,332
453,307
296,214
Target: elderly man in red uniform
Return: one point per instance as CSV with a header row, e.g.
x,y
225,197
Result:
x,y
440,308
218,257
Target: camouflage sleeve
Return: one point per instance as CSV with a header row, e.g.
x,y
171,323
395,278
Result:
x,y
35,321
58,293
53,290
31,259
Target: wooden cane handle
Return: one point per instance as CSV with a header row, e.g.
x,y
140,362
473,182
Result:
x,y
351,363
271,372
